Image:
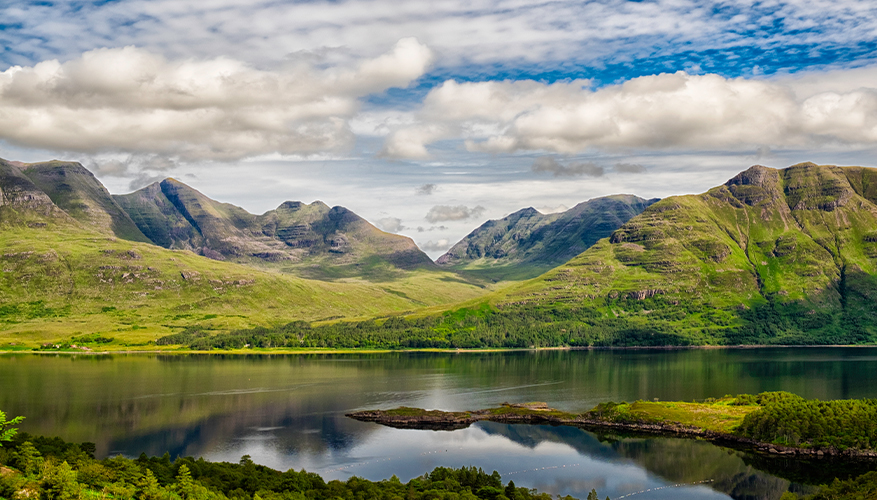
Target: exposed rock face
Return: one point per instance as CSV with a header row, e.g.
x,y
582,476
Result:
x,y
16,190
76,191
295,235
528,237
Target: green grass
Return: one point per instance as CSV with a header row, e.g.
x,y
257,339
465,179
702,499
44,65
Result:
x,y
760,260
61,280
719,416
404,411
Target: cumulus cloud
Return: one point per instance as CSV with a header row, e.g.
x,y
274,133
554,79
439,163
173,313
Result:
x,y
441,213
666,111
426,189
390,224
548,164
435,246
134,101
410,142
629,168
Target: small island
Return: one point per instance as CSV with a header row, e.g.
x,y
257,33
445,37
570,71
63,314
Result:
x,y
773,423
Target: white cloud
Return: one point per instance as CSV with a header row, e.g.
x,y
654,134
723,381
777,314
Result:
x,y
441,213
390,224
475,31
131,100
659,112
435,246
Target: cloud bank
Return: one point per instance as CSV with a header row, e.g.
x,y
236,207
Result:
x,y
658,112
548,164
133,101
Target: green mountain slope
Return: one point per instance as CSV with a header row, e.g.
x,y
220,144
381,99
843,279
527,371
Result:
x,y
528,243
308,240
772,256
76,191
64,275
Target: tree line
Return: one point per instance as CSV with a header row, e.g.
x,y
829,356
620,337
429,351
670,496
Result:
x,y
788,419
650,322
50,468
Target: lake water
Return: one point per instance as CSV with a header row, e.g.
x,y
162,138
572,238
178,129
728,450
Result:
x,y
288,412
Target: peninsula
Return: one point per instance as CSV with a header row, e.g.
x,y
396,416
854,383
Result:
x,y
776,423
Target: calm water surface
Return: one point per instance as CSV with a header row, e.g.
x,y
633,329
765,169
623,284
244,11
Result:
x,y
288,412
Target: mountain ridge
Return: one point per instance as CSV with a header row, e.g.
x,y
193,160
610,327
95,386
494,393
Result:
x,y
532,242
66,276
795,241
305,239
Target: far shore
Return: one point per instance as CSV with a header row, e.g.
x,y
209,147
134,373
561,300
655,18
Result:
x,y
328,350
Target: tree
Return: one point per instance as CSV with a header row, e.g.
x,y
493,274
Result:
x,y
59,482
149,489
27,458
6,434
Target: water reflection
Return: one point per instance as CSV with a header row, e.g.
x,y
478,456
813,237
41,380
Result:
x,y
287,411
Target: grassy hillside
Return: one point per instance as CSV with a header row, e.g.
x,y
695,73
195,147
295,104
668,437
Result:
x,y
64,277
528,243
313,240
771,257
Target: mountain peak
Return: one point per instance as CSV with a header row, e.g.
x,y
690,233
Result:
x,y
76,191
776,268
528,242
756,175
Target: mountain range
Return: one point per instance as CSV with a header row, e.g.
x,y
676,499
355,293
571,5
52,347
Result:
x,y
309,240
773,256
528,243
74,262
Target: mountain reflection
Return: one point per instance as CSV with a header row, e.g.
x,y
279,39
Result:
x,y
676,460
288,411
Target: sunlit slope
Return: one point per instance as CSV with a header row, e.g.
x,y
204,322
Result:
x,y
786,253
528,243
75,282
60,276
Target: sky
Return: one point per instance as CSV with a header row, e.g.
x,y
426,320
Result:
x,y
430,117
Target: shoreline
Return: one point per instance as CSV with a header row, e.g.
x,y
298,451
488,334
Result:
x,y
437,420
328,350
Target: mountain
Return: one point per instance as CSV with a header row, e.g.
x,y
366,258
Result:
x,y
67,271
307,239
527,242
76,191
772,256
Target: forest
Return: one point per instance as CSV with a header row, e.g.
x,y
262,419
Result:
x,y
787,419
50,468
529,326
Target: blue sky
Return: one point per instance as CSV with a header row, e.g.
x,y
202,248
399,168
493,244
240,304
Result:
x,y
361,103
